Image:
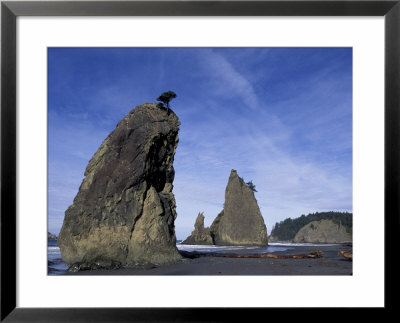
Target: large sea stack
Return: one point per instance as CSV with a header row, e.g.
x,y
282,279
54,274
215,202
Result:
x,y
124,211
240,222
200,235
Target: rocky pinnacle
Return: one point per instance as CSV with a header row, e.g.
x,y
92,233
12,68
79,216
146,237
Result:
x,y
240,222
200,235
124,210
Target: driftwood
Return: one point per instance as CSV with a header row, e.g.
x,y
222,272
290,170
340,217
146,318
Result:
x,y
348,254
312,254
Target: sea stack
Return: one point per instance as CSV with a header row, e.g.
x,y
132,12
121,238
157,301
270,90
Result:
x,y
240,222
124,211
323,231
200,235
51,236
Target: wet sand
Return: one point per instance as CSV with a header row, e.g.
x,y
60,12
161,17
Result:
x,y
330,264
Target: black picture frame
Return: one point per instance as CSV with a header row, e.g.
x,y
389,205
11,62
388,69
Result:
x,y
10,10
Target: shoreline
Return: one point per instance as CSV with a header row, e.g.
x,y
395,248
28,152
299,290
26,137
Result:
x,y
331,263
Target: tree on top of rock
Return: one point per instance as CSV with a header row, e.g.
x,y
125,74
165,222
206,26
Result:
x,y
252,186
166,97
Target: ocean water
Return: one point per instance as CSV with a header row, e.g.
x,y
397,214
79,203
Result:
x,y
232,249
57,267
55,264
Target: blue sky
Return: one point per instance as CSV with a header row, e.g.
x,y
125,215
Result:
x,y
282,117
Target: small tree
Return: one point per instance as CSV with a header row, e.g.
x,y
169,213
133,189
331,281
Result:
x,y
252,186
166,97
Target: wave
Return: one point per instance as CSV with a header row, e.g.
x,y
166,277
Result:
x,y
53,252
55,264
181,246
302,244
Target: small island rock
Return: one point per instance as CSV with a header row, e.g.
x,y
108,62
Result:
x,y
323,231
51,236
200,235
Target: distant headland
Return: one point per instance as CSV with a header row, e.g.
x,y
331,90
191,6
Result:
x,y
318,227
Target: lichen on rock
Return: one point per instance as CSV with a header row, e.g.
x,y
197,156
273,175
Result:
x,y
125,210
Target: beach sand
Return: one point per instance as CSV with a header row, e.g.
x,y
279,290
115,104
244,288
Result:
x,y
330,264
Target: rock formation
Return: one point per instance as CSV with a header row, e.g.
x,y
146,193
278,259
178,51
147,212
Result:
x,y
124,211
240,222
51,236
272,238
200,235
323,231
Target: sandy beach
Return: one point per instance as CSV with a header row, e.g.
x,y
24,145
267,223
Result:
x,y
330,264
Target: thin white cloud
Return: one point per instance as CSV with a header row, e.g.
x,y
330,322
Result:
x,y
226,80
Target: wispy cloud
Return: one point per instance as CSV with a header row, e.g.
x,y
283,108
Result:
x,y
226,81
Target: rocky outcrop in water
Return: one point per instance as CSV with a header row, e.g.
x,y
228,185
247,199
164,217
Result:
x,y
51,236
124,211
272,238
323,231
200,235
240,222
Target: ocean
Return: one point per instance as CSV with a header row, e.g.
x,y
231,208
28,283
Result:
x,y
57,267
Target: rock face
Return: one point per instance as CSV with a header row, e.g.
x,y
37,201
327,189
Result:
x,y
240,222
124,211
323,231
200,235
